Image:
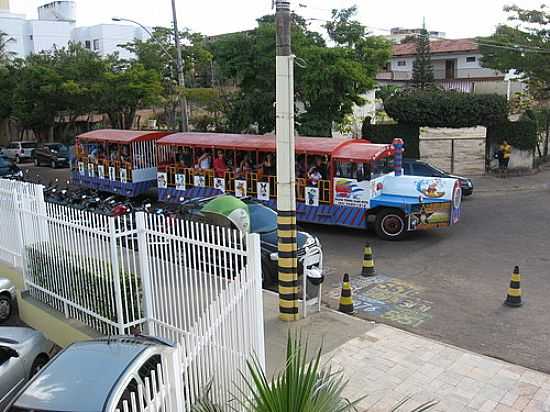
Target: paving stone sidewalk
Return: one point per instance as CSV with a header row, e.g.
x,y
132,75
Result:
x,y
388,365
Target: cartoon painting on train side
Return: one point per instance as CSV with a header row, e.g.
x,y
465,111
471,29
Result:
x,y
128,156
338,181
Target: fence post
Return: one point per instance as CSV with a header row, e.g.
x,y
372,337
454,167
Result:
x,y
18,213
254,263
143,256
175,379
115,268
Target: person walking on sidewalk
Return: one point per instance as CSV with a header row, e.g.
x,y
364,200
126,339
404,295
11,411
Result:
x,y
505,152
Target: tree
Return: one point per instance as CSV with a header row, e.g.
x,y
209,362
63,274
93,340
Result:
x,y
4,53
36,96
328,80
124,88
159,53
423,75
523,48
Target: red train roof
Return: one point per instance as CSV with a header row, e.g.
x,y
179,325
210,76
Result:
x,y
338,148
121,136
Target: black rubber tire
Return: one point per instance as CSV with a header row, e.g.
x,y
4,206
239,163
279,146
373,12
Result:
x,y
36,162
53,164
38,364
390,224
268,277
6,300
17,160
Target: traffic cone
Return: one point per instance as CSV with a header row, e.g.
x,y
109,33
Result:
x,y
513,298
346,301
368,262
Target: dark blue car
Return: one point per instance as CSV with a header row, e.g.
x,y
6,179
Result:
x,y
8,169
415,167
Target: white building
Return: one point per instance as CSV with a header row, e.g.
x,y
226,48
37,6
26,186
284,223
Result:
x,y
398,34
56,27
456,66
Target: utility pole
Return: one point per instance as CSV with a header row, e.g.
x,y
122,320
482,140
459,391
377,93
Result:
x,y
181,78
286,182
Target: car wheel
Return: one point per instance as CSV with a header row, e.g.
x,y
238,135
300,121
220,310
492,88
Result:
x,y
390,224
36,162
38,364
53,164
17,159
5,308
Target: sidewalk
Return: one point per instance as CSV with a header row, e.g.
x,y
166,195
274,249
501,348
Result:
x,y
388,365
491,184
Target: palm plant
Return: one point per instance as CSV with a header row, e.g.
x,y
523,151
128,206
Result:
x,y
4,53
302,386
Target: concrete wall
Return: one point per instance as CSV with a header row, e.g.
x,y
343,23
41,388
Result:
x,y
54,325
109,37
469,149
48,35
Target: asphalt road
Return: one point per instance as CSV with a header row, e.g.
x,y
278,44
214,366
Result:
x,y
450,284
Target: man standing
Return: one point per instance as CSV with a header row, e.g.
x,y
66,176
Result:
x,y
504,157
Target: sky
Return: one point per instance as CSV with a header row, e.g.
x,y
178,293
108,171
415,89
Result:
x,y
458,18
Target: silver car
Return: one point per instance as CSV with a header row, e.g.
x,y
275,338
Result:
x,y
19,151
99,375
7,299
23,352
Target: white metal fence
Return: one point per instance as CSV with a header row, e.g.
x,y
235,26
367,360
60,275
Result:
x,y
196,285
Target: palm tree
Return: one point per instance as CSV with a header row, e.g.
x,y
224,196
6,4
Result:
x,y
5,54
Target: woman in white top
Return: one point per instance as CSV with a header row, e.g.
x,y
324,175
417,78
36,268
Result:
x,y
205,161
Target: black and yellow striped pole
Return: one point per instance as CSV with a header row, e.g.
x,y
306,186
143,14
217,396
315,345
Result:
x,y
286,183
513,297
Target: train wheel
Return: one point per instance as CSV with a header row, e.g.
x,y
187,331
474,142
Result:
x,y
390,224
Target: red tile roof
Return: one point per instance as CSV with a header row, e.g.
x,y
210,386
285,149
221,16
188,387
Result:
x,y
438,46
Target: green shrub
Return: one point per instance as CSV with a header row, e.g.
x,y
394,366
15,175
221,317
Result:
x,y
438,108
55,269
522,135
385,133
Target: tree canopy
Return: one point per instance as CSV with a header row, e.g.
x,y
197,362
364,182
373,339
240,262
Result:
x,y
328,80
522,46
423,71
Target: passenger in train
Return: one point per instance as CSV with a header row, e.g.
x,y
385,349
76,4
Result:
x,y
184,157
220,166
204,162
268,166
314,176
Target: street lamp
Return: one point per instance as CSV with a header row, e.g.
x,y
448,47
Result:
x,y
178,60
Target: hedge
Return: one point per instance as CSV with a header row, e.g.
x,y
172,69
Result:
x,y
522,134
385,133
438,108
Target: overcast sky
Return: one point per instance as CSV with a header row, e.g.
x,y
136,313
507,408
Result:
x,y
458,18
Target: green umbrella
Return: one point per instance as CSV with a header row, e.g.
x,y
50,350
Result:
x,y
232,209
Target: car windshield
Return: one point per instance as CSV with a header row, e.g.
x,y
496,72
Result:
x,y
443,172
28,145
262,219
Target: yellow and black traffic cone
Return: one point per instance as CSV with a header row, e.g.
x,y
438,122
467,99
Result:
x,y
368,262
513,298
346,301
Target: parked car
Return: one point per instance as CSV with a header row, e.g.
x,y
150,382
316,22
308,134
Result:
x,y
8,168
415,167
97,375
7,299
23,352
221,210
51,154
20,151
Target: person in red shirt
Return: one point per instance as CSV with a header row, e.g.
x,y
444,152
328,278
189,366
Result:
x,y
219,165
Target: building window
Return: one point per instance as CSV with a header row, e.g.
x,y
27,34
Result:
x,y
387,67
471,59
96,44
402,63
88,44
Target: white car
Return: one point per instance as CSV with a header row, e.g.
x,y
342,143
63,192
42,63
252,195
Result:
x,y
19,151
7,299
23,352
